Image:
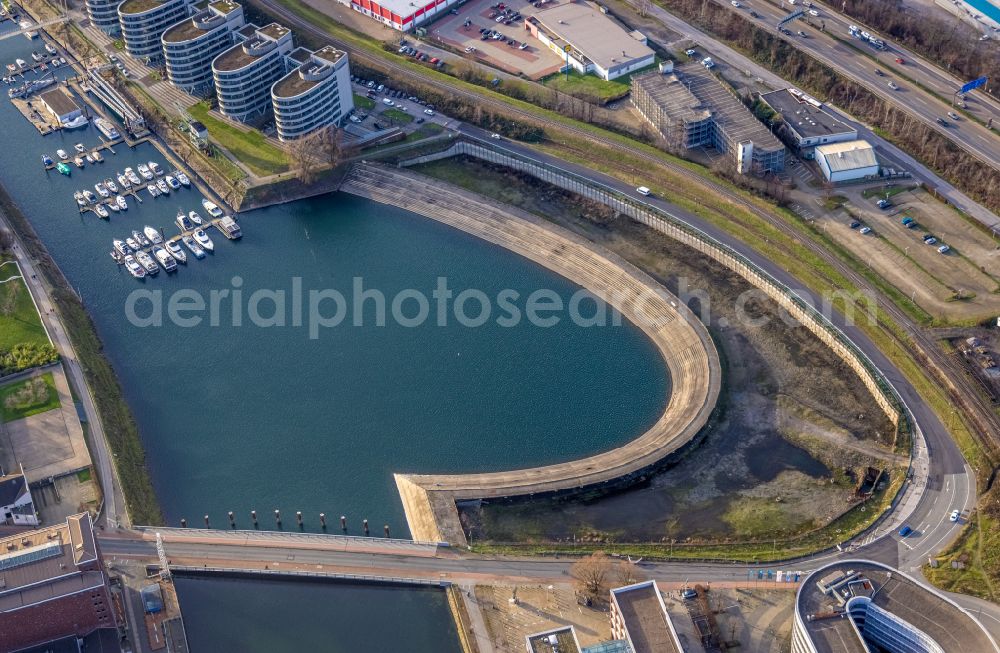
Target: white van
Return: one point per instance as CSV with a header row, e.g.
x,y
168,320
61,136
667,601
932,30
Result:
x,y
642,190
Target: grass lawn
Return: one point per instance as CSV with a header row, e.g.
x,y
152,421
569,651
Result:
x,y
363,102
882,192
28,397
19,321
250,147
589,87
83,475
398,116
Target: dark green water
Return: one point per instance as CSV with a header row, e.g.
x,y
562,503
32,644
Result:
x,y
267,418
266,616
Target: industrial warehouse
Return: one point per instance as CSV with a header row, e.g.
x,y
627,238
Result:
x,y
690,108
806,121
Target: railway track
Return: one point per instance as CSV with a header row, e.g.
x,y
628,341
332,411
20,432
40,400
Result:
x,y
986,423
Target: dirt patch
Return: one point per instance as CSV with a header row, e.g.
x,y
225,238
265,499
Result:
x,y
780,385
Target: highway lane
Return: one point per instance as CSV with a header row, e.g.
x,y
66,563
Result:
x,y
842,54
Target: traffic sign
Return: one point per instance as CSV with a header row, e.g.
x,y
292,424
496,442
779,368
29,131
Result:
x,y
976,83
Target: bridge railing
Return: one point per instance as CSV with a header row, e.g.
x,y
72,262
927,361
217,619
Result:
x,y
246,535
354,578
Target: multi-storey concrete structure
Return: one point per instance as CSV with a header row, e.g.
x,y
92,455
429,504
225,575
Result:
x,y
639,616
857,606
143,23
54,585
316,93
245,72
190,45
104,15
807,121
675,105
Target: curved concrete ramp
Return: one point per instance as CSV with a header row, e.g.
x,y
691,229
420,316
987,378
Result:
x,y
682,340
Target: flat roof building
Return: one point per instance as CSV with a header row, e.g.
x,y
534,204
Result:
x,y
16,505
403,15
316,93
244,73
557,640
857,606
190,45
104,15
143,23
596,43
847,161
639,616
807,121
53,585
691,107
62,107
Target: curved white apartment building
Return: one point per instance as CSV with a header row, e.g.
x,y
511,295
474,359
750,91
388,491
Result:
x,y
144,21
190,45
104,15
315,94
244,73
858,606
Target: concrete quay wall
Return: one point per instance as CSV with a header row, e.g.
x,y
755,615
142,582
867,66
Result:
x,y
682,340
688,235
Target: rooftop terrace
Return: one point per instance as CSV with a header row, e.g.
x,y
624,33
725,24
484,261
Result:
x,y
243,54
139,6
315,67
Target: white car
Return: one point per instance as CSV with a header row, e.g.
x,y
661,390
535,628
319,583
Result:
x,y
866,230
955,514
735,3
813,12
429,112
355,119
893,86
691,53
495,136
387,102
707,62
642,190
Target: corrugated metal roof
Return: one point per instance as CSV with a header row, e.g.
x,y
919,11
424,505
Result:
x,y
848,156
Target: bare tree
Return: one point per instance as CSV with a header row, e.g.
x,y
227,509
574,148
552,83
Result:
x,y
303,156
592,575
628,573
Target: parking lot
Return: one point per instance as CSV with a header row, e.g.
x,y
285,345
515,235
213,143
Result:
x,y
394,108
463,31
907,258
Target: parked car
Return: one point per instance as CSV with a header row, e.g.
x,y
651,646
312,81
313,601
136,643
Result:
x,y
865,230
955,514
429,112
883,204
931,240
905,530
928,237
692,52
523,46
689,594
735,3
855,224
435,60
944,249
387,102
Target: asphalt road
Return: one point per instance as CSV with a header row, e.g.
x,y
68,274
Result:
x,y
732,57
848,56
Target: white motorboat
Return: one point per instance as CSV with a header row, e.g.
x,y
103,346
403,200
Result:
x,y
172,182
101,211
183,222
162,185
155,168
122,204
123,181
183,178
229,227
113,206
91,198
138,237
78,196
107,128
212,208
193,246
101,190
146,261
204,240
110,185
78,161
80,148
51,49
21,63
168,262
36,56
121,247
152,235
76,123
133,267
195,218
62,154
176,251
132,177
90,158
97,156
132,243
153,190
145,171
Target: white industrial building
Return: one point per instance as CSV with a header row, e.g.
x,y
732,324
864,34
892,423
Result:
x,y
589,41
848,161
